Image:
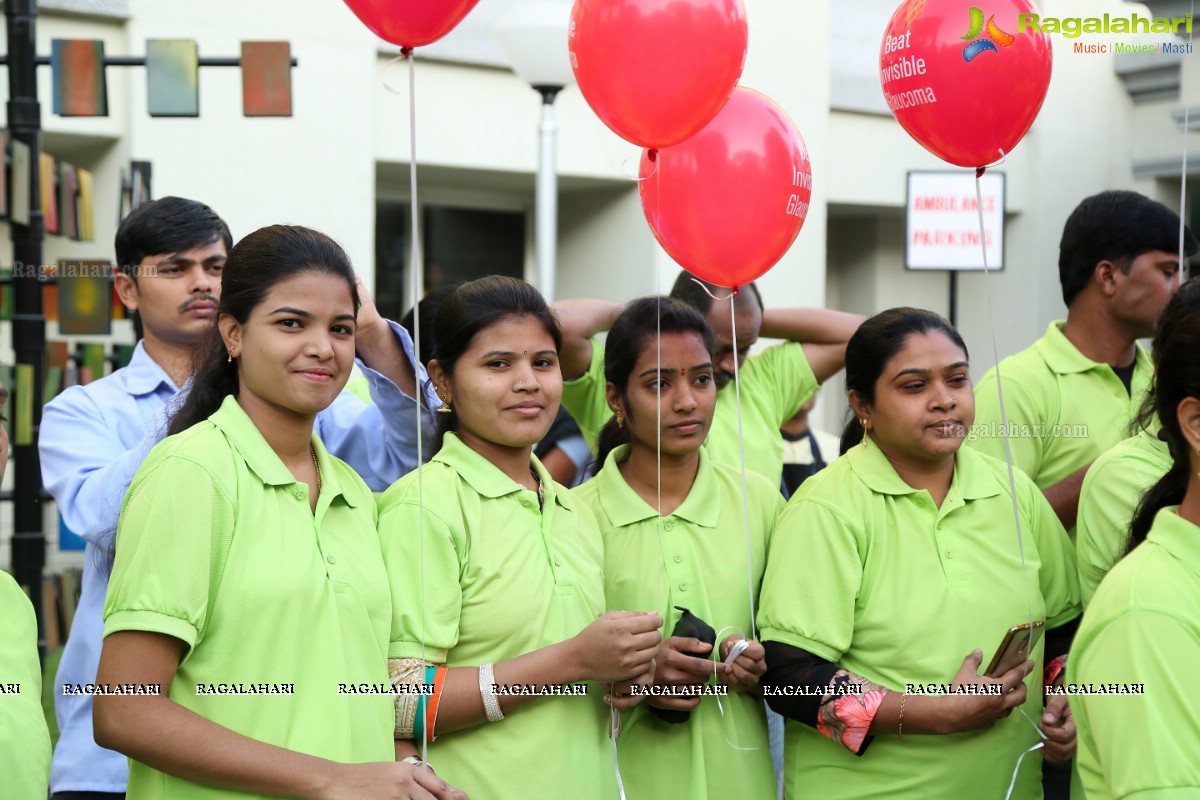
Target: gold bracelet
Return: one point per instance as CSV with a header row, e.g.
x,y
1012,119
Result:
x,y
900,728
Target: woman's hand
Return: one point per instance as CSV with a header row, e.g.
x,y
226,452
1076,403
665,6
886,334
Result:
x,y
1059,727
748,668
388,780
968,712
617,647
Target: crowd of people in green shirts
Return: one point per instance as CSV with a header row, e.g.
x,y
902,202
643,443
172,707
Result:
x,y
444,615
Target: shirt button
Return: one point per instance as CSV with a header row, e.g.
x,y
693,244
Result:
x,y
683,587
668,526
525,502
557,561
299,494
331,559
949,554
678,559
921,502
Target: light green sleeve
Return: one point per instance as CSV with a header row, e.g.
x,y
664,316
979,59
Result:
x,y
585,397
1023,411
24,740
1107,502
1145,744
424,579
1057,578
786,377
813,577
172,539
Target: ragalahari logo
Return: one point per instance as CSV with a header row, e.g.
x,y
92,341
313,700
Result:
x,y
994,37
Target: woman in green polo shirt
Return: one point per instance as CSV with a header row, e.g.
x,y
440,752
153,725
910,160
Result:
x,y
248,587
893,572
1139,643
674,537
497,591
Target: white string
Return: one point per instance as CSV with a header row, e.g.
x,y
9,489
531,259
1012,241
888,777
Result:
x,y
614,727
636,174
716,657
1013,783
1183,172
416,258
737,389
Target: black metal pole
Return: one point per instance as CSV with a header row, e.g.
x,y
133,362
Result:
x,y
29,325
952,316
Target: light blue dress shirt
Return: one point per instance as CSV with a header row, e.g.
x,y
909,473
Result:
x,y
92,440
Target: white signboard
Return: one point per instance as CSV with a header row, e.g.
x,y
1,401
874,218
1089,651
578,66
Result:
x,y
942,219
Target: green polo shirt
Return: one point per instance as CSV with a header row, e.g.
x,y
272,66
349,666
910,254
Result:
x,y
217,547
1112,491
868,573
495,579
775,383
1142,627
699,564
24,740
1064,409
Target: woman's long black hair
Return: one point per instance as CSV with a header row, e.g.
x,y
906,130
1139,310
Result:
x,y
1176,378
874,344
633,332
255,264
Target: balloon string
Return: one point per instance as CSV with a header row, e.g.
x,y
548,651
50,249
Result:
x,y
406,53
1013,784
635,174
1183,172
734,292
716,657
614,729
737,393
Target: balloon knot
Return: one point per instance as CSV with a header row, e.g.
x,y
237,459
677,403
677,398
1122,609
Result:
x,y
736,291
979,172
406,52
652,154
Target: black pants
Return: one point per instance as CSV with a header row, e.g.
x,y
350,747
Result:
x,y
87,796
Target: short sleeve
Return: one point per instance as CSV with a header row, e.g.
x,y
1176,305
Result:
x,y
172,538
1021,407
24,739
586,399
813,576
1107,503
787,377
425,579
1160,652
1057,577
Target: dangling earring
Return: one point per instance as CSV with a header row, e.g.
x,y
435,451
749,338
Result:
x,y
444,408
620,421
229,357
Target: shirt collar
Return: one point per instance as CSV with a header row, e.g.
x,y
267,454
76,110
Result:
x,y
249,443
1177,536
143,375
1064,358
625,507
972,480
488,480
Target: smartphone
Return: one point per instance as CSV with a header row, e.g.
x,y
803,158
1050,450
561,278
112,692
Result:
x,y
1015,649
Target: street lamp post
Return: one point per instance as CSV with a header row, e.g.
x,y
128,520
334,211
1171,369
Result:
x,y
533,35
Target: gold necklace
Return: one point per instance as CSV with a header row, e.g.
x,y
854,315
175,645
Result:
x,y
316,467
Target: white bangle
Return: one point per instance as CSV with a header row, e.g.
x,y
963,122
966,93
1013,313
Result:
x,y
487,692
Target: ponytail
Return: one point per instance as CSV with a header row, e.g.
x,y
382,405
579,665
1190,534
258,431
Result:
x,y
611,437
1168,491
852,434
215,378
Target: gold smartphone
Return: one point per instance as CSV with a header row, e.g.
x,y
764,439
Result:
x,y
1015,649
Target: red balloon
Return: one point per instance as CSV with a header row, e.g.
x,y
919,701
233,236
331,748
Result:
x,y
657,71
727,203
411,23
965,85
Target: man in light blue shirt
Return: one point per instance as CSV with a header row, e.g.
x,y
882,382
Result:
x,y
93,438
